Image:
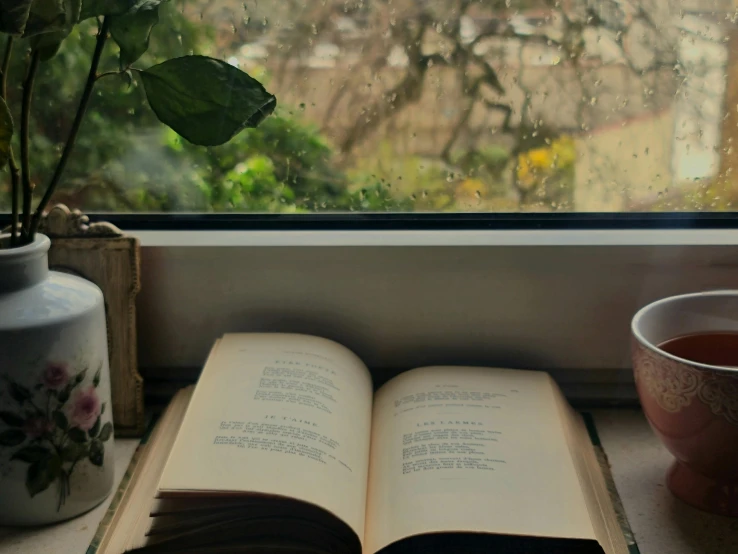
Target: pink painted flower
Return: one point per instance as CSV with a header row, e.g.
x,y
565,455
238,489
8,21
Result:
x,y
85,408
56,376
37,427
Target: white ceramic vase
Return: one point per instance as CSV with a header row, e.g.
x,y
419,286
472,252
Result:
x,y
56,430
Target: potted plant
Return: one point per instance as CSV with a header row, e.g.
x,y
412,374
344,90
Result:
x,y
55,419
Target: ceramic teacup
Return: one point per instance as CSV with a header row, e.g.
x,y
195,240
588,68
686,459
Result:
x,y
691,406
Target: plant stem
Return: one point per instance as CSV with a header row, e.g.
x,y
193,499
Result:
x,y
102,36
109,74
15,179
25,142
15,176
6,66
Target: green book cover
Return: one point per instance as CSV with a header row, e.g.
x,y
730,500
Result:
x,y
607,472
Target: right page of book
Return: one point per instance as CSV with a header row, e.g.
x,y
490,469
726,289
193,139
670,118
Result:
x,y
473,450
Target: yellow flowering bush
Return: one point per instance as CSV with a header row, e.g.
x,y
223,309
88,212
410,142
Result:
x,y
548,170
537,163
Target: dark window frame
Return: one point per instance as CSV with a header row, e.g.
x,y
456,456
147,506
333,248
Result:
x,y
419,221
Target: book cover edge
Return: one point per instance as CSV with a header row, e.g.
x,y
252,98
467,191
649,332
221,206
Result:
x,y
615,498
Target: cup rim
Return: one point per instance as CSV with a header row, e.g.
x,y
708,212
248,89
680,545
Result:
x,y
647,344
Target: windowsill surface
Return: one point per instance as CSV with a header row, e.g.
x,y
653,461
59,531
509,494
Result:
x,y
661,523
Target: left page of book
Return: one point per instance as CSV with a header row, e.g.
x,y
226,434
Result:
x,y
278,414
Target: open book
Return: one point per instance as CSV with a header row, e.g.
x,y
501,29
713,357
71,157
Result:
x,y
285,447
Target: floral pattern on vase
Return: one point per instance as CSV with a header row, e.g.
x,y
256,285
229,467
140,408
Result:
x,y
55,425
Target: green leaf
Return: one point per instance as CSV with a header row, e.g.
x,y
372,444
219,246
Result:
x,y
97,453
80,376
95,429
64,394
78,435
48,44
72,10
102,408
205,100
18,392
131,32
73,452
60,419
96,378
12,437
11,419
31,454
42,473
50,23
49,16
106,432
13,16
92,8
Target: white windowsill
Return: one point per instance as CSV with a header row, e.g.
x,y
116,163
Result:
x,y
634,237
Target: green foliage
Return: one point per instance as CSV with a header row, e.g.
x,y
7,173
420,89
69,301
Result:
x,y
251,185
77,435
47,16
93,8
106,432
125,160
117,112
42,473
97,453
301,159
204,99
132,31
376,197
491,161
31,453
60,419
47,44
51,443
13,16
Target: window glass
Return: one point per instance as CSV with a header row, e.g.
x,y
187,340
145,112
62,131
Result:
x,y
412,105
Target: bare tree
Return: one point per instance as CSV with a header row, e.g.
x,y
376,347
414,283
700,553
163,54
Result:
x,y
523,71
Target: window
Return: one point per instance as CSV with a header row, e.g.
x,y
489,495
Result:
x,y
415,106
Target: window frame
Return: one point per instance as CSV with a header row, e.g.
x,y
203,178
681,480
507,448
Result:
x,y
448,222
